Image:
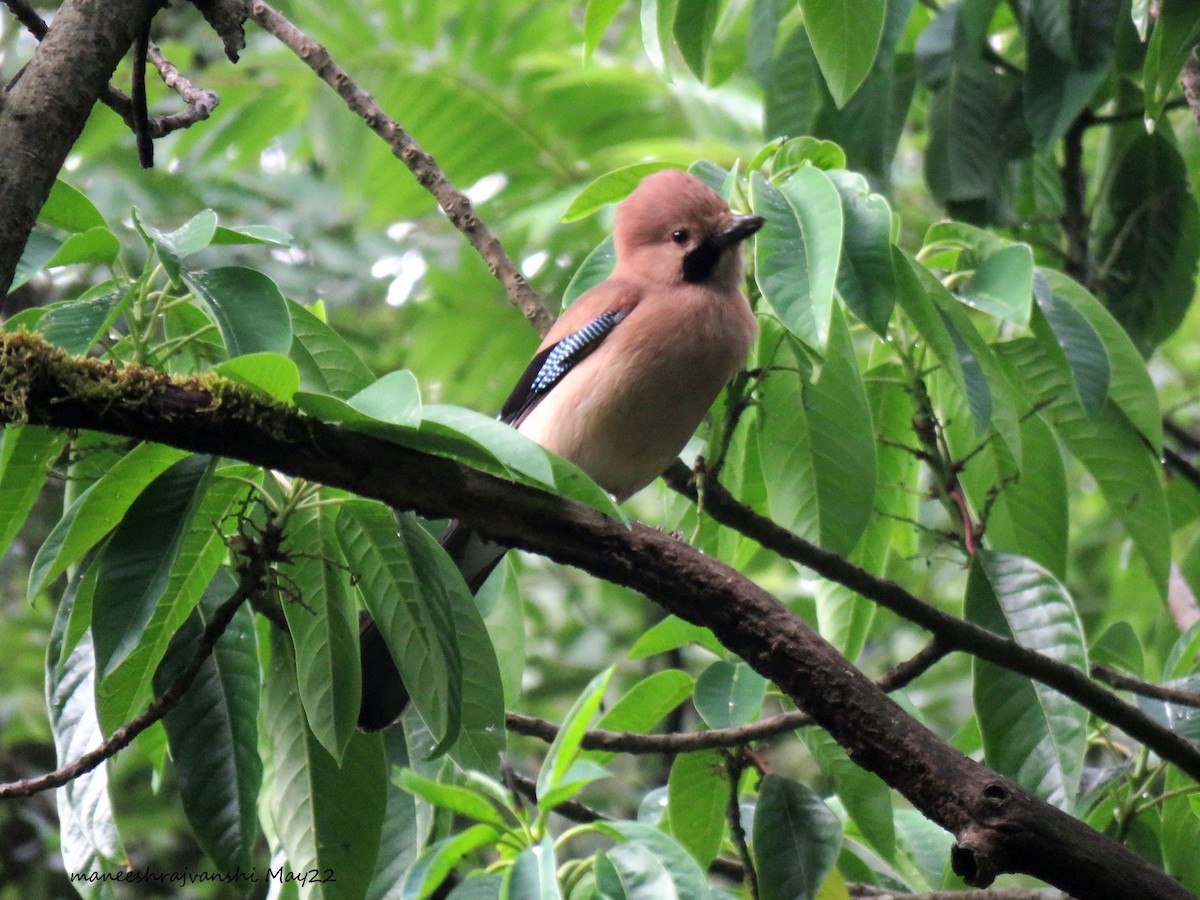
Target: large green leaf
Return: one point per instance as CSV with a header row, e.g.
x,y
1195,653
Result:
x,y
1059,83
213,732
135,566
564,750
323,623
78,324
686,874
610,187
697,799
533,874
1110,448
26,453
326,362
250,311
202,549
1146,240
1031,733
316,825
97,510
630,872
90,842
867,799
1081,345
797,251
845,37
695,23
405,825
69,209
865,280
795,839
426,651
438,860
729,694
482,738
790,77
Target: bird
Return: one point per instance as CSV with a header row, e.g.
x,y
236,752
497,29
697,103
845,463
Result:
x,y
625,375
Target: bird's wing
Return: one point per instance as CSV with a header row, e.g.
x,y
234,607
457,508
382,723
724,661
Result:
x,y
578,332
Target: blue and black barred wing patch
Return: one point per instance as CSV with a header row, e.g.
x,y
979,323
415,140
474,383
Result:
x,y
548,368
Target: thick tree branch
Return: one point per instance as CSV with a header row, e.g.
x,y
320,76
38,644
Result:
x,y
950,631
43,114
999,826
454,203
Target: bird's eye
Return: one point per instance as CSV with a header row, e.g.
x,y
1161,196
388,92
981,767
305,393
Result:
x,y
679,237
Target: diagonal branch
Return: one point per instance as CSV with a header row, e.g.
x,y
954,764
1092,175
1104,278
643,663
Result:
x,y
456,205
999,826
952,632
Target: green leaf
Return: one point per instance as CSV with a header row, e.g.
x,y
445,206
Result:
x,y
248,308
533,875
190,237
406,825
1175,33
525,460
596,267
395,398
39,249
791,77
26,454
630,872
67,208
96,245
564,750
865,280
842,438
867,800
1057,87
326,363
323,624
97,510
1110,448
796,840
610,187
1130,386
597,16
796,252
463,801
643,706
426,651
1031,733
729,694
1002,285
250,234
482,738
316,826
213,732
695,24
845,37
136,563
689,879
88,832
77,325
272,374
1081,345
439,859
697,798
1146,240
202,549
671,633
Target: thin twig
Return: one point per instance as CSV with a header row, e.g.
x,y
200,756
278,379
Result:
x,y
454,203
735,764
200,102
161,705
719,738
1145,688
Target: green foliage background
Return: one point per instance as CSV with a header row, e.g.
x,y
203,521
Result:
x,y
975,287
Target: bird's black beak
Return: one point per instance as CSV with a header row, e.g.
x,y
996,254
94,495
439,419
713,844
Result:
x,y
739,229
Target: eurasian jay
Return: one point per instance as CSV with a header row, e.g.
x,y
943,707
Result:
x,y
625,375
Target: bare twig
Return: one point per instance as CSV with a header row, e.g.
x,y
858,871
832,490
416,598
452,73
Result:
x,y
718,738
1145,688
454,203
200,102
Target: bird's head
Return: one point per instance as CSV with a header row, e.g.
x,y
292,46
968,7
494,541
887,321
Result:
x,y
675,229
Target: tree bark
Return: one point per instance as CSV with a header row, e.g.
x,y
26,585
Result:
x,y
44,113
998,825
